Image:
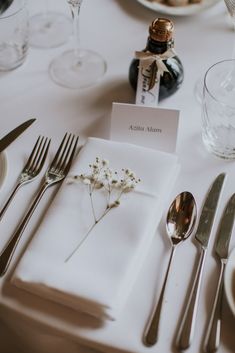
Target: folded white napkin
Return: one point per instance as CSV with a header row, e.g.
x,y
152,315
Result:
x,y
98,277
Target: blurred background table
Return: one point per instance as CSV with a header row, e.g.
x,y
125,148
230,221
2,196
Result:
x,y
115,29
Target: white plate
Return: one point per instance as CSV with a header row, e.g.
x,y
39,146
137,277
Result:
x,y
229,281
178,10
3,167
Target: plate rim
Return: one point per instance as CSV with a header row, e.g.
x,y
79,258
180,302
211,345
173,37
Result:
x,y
229,268
178,10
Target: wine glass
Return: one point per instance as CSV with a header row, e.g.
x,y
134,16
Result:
x,y
231,9
77,68
45,26
230,78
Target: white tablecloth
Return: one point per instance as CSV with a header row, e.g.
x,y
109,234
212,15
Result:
x,y
115,28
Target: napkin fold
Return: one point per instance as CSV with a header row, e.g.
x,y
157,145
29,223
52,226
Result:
x,y
98,277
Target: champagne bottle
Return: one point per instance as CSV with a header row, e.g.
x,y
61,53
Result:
x,y
164,66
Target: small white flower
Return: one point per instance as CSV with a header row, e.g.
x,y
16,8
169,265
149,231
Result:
x,y
114,204
105,162
86,181
70,180
101,176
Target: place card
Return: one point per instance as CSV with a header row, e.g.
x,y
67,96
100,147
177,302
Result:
x,y
151,127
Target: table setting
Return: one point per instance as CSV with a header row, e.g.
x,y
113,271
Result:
x,y
117,176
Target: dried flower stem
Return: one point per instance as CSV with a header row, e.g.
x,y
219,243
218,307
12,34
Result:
x,y
89,231
103,177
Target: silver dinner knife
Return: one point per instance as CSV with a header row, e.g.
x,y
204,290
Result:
x,y
12,135
187,327
221,249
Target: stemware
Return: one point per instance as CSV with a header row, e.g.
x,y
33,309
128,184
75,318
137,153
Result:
x,y
230,4
77,68
179,224
231,9
13,35
45,26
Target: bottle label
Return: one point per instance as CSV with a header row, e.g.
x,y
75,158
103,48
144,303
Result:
x,y
151,68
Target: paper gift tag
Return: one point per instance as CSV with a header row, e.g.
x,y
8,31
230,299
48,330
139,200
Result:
x,y
151,127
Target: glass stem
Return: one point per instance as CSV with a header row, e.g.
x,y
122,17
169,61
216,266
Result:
x,y
75,10
233,52
228,82
45,8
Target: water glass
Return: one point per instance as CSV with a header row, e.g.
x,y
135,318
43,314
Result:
x,y
218,109
13,35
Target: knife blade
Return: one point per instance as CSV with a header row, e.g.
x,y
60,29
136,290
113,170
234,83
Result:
x,y
224,233
225,230
208,212
12,135
187,327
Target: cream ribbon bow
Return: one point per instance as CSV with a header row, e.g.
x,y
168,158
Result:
x,y
157,59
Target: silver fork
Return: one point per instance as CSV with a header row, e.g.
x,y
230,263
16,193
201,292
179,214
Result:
x,y
56,172
31,169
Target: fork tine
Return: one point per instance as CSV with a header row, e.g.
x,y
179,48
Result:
x,y
53,163
31,169
42,156
32,153
33,163
69,162
66,153
51,177
63,153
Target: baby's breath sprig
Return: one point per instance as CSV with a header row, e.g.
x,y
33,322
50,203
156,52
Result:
x,y
101,176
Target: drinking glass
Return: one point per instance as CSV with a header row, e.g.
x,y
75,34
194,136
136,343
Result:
x,y
230,4
77,68
13,35
231,9
218,109
49,29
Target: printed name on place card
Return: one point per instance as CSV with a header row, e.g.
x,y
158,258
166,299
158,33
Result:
x,y
151,127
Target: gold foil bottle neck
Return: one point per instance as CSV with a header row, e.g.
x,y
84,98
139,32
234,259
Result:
x,y
161,29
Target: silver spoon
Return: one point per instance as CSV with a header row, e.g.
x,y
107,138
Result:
x,y
4,4
180,221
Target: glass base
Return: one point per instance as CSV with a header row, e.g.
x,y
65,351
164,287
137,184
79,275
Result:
x,y
82,71
220,142
12,56
49,30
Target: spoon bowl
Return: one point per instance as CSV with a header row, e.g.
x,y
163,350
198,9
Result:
x,y
181,217
180,222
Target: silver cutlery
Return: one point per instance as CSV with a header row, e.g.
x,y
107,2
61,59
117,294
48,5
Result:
x,y
12,135
187,327
212,339
56,172
179,225
31,169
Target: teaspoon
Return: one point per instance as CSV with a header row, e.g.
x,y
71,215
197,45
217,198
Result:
x,y
180,221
